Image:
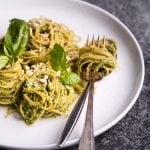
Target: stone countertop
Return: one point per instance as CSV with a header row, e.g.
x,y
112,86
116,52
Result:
x,y
133,131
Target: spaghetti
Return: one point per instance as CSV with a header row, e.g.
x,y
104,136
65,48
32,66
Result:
x,y
30,85
100,59
44,34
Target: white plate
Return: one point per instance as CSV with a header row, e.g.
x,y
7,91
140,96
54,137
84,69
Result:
x,y
115,94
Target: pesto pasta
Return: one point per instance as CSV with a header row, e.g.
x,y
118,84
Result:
x,y
100,59
41,67
44,34
11,80
44,96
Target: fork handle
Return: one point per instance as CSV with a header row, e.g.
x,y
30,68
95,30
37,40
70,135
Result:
x,y
87,141
73,117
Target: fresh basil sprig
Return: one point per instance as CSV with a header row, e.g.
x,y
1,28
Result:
x,y
58,56
3,58
1,47
70,78
15,41
16,38
59,63
3,61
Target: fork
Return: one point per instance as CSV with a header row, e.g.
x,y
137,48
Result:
x,y
87,139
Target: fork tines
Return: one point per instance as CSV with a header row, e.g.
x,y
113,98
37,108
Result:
x,y
93,42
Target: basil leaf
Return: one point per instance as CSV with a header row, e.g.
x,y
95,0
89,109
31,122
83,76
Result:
x,y
2,46
3,61
16,38
58,61
70,78
58,58
1,49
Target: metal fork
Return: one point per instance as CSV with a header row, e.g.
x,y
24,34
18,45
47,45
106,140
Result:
x,y
87,139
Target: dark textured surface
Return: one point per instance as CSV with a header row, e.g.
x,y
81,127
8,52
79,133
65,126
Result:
x,y
133,131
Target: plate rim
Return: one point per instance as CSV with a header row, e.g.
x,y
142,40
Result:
x,y
128,107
